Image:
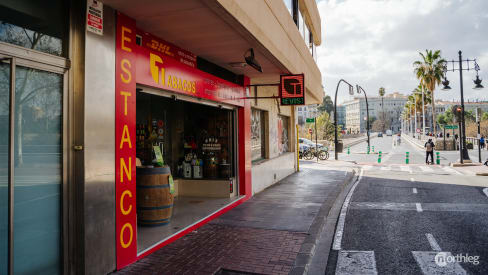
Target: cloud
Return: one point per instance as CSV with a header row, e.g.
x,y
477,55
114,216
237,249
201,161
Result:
x,y
374,42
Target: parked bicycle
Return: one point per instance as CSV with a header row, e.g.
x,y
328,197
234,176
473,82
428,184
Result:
x,y
309,153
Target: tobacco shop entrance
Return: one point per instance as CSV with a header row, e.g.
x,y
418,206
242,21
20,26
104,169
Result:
x,y
186,162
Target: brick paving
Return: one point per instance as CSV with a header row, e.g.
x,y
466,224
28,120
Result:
x,y
212,247
272,233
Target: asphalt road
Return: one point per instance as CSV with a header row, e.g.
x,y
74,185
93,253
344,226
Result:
x,y
397,154
400,218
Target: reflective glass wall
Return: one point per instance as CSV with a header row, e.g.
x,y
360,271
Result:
x,y
37,158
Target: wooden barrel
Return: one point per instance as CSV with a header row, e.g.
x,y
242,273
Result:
x,y
154,200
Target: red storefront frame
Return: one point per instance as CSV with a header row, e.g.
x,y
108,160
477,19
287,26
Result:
x,y
147,66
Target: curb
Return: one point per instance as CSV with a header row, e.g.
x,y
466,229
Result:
x,y
358,141
320,255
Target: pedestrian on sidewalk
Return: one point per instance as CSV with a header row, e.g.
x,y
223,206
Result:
x,y
429,150
482,142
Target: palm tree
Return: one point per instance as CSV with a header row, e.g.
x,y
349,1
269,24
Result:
x,y
382,94
429,71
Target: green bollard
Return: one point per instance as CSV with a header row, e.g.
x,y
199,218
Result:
x,y
368,150
407,156
348,150
379,157
438,158
373,148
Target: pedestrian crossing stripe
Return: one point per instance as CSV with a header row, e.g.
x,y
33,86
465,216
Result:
x,y
412,169
426,169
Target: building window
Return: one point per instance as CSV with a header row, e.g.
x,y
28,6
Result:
x,y
283,135
31,25
300,23
289,6
258,149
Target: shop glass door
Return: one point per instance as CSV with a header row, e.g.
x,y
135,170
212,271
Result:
x,y
35,156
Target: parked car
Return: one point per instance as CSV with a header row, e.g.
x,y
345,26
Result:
x,y
389,133
380,134
310,143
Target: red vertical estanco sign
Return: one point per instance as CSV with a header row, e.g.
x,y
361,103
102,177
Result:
x,y
125,150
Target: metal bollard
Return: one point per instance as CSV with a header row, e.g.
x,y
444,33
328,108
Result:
x,y
407,158
348,150
438,158
379,157
373,148
368,150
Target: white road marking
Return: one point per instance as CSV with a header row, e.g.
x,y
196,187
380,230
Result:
x,y
356,262
342,216
428,265
386,168
426,169
485,191
405,168
433,243
412,179
367,167
414,190
451,170
419,207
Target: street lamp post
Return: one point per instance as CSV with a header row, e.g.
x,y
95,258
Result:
x,y
477,82
351,92
359,89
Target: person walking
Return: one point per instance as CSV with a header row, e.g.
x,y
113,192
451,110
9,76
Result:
x,y
482,142
429,150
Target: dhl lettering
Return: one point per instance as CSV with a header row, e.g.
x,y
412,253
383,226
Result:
x,y
125,39
126,70
160,47
131,233
128,193
124,170
125,137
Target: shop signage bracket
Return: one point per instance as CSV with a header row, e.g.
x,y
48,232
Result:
x,y
256,97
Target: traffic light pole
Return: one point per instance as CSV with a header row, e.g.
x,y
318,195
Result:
x,y
464,155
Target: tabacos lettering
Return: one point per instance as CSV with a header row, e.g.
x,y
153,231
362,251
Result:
x,y
162,78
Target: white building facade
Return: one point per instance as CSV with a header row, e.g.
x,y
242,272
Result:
x,y
356,112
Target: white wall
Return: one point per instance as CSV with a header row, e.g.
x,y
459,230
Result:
x,y
263,174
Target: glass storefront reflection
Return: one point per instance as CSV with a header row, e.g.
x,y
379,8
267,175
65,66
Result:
x,y
32,25
4,132
38,171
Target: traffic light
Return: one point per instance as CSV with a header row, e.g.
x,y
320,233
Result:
x,y
457,112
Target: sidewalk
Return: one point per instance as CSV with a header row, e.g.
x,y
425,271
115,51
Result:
x,y
474,170
275,232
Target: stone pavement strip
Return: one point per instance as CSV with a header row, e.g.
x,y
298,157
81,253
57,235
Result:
x,y
275,232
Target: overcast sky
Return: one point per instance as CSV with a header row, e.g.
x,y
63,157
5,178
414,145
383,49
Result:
x,y
374,42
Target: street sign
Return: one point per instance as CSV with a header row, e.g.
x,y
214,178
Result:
x,y
451,126
310,130
292,89
310,120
